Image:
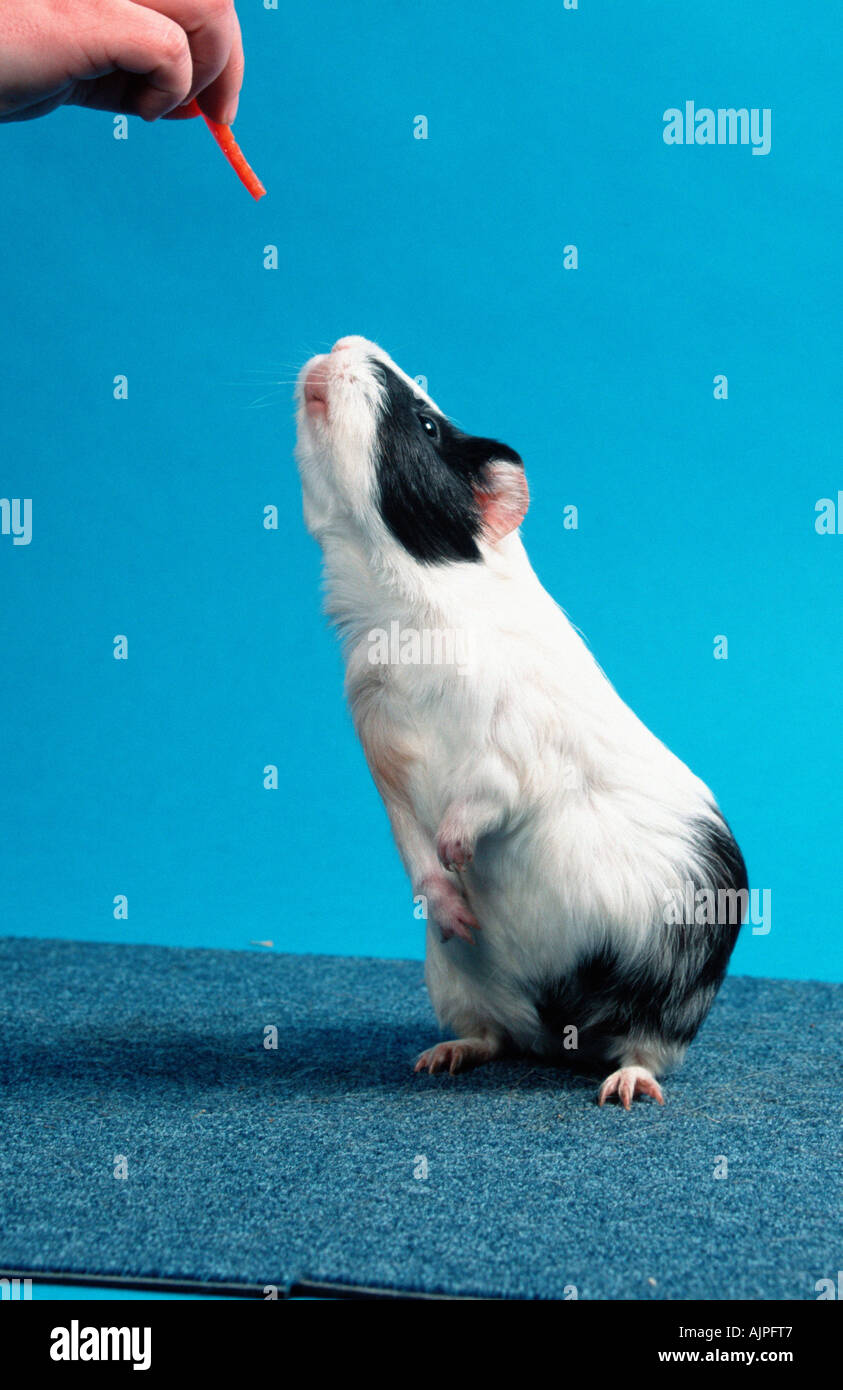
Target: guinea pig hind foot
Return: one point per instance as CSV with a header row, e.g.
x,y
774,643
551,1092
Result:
x,y
459,1055
629,1082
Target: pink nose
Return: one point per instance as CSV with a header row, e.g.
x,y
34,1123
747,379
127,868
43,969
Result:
x,y
316,389
345,343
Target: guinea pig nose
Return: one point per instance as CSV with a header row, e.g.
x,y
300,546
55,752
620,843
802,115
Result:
x,y
316,389
345,343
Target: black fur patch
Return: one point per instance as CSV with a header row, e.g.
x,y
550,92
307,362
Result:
x,y
426,479
666,994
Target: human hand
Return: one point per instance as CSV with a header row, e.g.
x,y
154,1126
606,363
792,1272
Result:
x,y
141,57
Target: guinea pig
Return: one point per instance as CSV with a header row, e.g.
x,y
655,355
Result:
x,y
583,892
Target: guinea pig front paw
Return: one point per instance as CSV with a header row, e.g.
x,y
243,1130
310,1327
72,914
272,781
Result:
x,y
459,922
454,852
447,907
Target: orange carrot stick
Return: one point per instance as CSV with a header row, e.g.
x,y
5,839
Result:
x,y
230,148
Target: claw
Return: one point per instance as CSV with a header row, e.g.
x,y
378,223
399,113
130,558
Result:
x,y
458,1055
629,1082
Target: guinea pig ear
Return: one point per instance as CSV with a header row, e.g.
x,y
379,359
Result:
x,y
502,498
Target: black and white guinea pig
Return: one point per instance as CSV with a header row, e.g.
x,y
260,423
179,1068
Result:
x,y
555,840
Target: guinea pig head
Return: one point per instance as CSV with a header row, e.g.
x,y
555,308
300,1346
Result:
x,y
377,456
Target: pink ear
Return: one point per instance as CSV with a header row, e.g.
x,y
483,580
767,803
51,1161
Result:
x,y
503,500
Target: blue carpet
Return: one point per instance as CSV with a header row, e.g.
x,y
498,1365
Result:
x,y
255,1166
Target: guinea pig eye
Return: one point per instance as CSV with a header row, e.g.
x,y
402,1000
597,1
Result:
x,y
429,426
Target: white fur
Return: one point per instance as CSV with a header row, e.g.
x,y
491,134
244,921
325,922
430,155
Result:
x,y
579,816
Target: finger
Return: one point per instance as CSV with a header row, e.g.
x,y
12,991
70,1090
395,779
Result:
x,y
117,91
148,55
35,108
216,49
182,113
221,97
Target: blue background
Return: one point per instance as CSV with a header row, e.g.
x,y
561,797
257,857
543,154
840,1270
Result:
x,y
145,257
